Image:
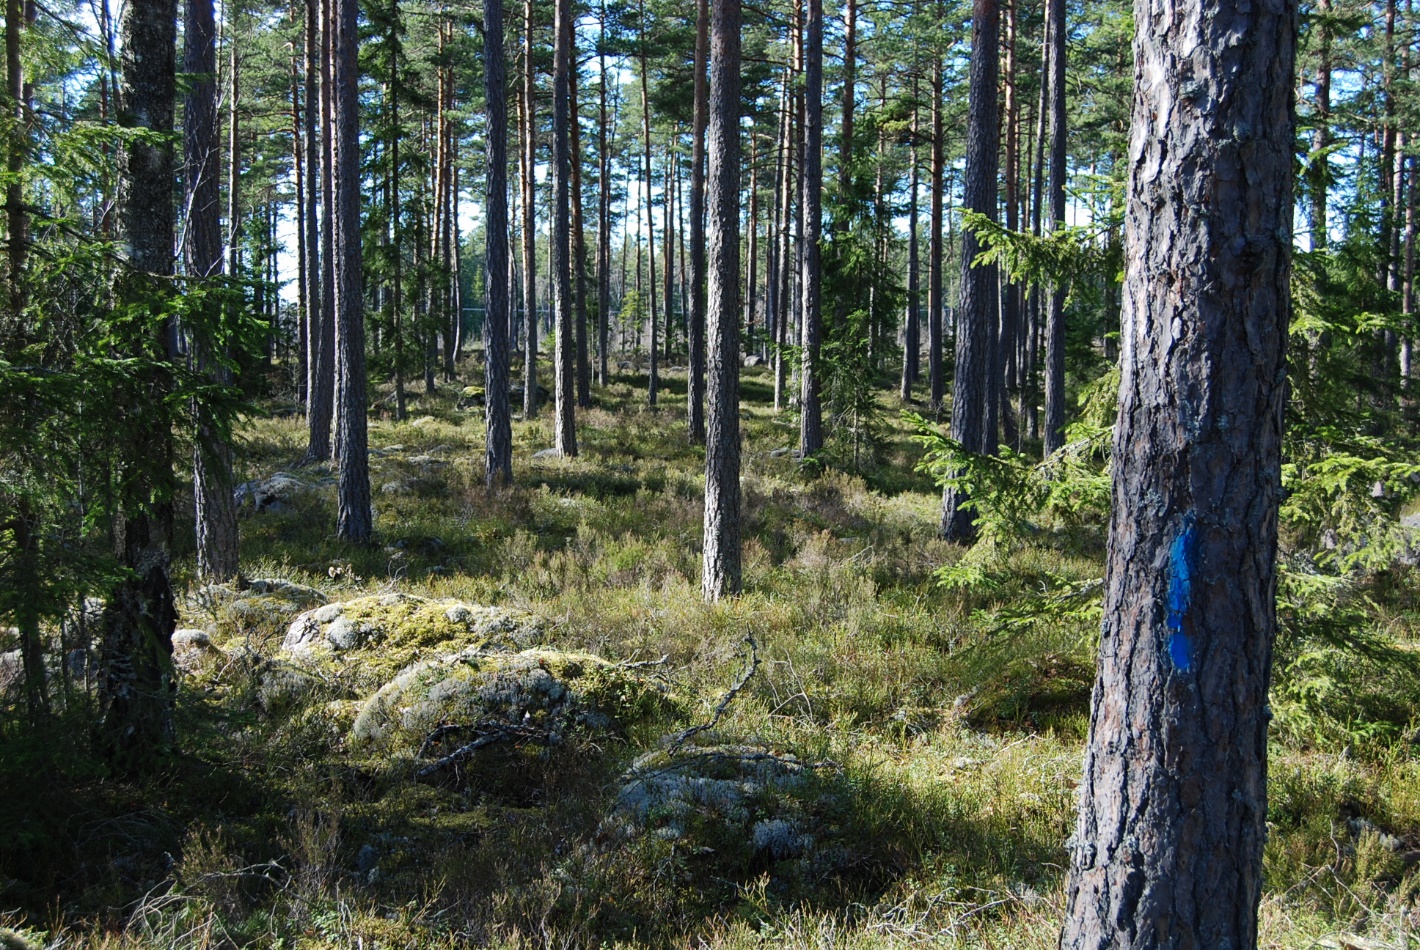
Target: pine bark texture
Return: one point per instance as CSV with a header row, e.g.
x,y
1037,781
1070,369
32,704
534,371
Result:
x,y
216,511
353,516
498,446
972,384
722,448
529,162
936,305
1168,848
811,204
137,687
564,362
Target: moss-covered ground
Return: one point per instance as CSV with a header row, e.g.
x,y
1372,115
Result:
x,y
940,745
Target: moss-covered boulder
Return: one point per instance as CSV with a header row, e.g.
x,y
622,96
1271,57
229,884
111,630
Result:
x,y
256,612
373,638
741,810
515,709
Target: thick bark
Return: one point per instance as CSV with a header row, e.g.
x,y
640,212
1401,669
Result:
x,y
323,411
811,191
216,512
498,451
972,385
137,686
529,162
565,362
1173,808
722,450
1054,435
353,516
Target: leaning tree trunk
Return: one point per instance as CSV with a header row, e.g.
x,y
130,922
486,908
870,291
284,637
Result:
x,y
216,513
137,686
722,447
972,384
811,189
565,355
353,516
1173,804
498,453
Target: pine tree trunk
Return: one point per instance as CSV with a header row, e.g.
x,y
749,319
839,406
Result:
x,y
603,217
936,304
565,362
137,686
216,512
811,188
353,516
695,385
498,451
722,455
911,341
783,304
1055,318
529,162
320,375
579,248
1318,171
1173,804
972,385
653,383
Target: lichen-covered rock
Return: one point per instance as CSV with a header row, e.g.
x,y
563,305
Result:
x,y
745,808
542,695
383,634
279,493
282,686
193,650
258,611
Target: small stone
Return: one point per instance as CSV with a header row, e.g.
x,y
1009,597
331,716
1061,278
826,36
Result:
x,y
367,860
422,421
546,454
328,613
459,613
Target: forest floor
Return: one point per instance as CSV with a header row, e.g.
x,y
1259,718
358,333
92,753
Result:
x,y
889,763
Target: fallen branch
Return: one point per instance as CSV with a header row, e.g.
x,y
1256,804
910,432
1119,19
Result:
x,y
725,700
487,735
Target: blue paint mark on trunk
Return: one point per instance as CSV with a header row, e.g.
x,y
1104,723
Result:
x,y
1181,567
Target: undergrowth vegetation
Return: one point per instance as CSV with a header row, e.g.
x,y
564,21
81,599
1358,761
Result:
x,y
899,769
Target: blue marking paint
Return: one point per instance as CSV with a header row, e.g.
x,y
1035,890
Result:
x,y
1181,566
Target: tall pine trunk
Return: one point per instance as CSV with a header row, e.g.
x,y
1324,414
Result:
x,y
1167,852
137,688
722,451
972,384
498,450
529,162
565,354
811,190
1055,317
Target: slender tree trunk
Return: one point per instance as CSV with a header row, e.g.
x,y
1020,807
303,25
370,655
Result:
x,y
1005,351
668,191
654,383
320,377
579,246
785,268
603,216
1318,170
722,455
911,342
1032,380
529,162
935,301
323,449
1173,803
498,449
753,279
977,309
564,424
137,687
353,516
695,385
216,514
810,410
1055,319
234,147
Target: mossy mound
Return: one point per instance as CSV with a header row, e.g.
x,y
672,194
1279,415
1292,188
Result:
x,y
257,611
514,709
372,638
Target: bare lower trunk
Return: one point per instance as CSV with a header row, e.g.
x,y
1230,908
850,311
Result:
x,y
1055,316
811,190
1173,803
722,454
564,424
498,451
